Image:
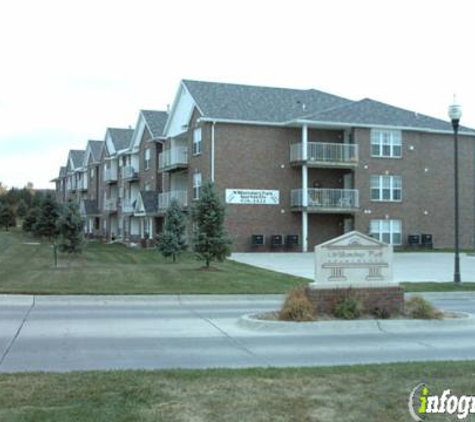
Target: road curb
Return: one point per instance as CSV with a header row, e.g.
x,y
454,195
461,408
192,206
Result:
x,y
250,321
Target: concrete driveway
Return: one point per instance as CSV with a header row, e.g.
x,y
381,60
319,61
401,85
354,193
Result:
x,y
413,266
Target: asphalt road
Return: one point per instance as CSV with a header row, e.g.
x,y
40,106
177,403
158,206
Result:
x,y
47,333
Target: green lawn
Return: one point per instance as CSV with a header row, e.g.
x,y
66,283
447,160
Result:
x,y
438,287
359,393
116,269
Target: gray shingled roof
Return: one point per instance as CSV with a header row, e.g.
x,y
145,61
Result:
x,y
258,104
150,200
96,150
156,121
370,112
62,171
120,137
77,157
91,207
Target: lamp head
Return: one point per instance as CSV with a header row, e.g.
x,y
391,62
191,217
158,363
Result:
x,y
455,110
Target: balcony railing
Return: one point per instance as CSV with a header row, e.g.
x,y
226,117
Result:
x,y
110,205
128,205
173,158
129,172
321,154
82,184
165,198
110,175
327,200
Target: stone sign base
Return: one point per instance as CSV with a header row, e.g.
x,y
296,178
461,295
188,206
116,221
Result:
x,y
388,298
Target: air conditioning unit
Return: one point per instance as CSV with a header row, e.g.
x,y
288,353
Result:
x,y
257,239
292,240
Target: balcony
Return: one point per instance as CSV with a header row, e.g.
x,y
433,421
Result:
x,y
130,173
165,198
128,205
110,205
110,175
174,158
82,185
325,155
326,200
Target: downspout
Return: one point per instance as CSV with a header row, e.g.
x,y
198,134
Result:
x,y
212,151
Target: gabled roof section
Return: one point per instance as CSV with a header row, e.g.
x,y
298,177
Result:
x,y
76,158
258,104
120,138
62,171
93,152
90,207
369,113
155,121
149,200
96,150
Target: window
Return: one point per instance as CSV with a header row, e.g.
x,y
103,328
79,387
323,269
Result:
x,y
92,172
197,141
386,188
196,185
147,159
386,143
387,231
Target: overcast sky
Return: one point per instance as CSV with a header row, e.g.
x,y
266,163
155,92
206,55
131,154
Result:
x,y
70,69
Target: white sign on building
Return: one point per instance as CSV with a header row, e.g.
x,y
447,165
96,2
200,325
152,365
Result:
x,y
353,259
252,196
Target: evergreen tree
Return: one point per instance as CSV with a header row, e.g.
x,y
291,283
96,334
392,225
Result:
x,y
22,208
7,217
31,219
171,242
211,241
70,227
47,219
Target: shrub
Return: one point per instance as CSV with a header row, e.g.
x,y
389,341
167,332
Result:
x,y
420,308
381,313
350,307
297,306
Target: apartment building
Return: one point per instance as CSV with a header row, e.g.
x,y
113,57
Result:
x,y
294,168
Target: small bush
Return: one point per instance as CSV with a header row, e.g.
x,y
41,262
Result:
x,y
297,306
419,308
381,313
349,307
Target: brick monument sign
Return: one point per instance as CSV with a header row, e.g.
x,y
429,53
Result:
x,y
359,265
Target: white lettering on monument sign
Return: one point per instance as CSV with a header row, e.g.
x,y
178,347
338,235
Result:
x,y
252,196
353,259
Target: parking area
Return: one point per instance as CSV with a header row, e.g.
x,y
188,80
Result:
x,y
408,266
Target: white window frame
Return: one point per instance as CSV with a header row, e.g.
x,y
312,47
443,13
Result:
x,y
386,143
197,141
387,231
147,159
387,188
92,172
197,183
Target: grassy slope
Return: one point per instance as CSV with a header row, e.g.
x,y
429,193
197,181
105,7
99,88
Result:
x,y
116,269
361,393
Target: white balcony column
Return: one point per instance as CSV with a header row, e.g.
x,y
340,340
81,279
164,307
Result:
x,y
304,189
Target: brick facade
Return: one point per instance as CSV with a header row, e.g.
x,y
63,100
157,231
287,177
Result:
x,y
257,156
387,301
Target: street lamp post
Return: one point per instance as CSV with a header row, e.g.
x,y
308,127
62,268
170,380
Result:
x,y
455,112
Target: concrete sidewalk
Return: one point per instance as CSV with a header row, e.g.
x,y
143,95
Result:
x,y
412,266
